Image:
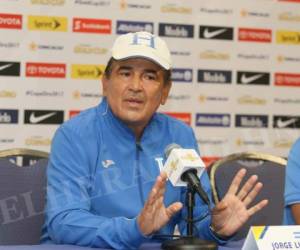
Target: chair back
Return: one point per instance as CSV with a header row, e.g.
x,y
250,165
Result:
x,y
23,156
22,201
270,171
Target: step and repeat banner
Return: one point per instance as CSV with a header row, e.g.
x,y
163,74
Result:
x,y
236,74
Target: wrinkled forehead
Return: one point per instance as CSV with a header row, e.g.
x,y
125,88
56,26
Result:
x,y
137,63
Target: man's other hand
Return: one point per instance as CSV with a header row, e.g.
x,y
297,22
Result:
x,y
155,215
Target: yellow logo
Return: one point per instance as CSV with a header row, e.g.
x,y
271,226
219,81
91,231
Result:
x,y
244,13
7,94
283,144
202,98
48,23
189,157
257,231
172,8
33,46
123,5
247,99
287,37
280,58
210,54
37,141
88,49
239,142
288,16
87,71
48,2
76,94
173,165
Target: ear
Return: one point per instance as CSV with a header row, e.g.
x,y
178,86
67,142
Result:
x,y
105,82
165,92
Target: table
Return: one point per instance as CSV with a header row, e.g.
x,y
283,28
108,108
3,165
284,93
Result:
x,y
231,245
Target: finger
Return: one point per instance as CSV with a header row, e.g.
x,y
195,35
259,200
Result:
x,y
161,185
257,207
154,193
234,186
158,189
247,187
164,175
251,196
151,198
173,209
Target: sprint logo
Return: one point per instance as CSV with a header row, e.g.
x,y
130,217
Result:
x,y
288,37
48,23
87,71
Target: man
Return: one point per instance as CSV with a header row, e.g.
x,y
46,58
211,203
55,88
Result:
x,y
292,187
105,184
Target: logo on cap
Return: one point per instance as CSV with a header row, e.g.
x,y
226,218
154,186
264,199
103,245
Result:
x,y
146,39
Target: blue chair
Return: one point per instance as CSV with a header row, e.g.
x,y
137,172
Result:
x,y
22,197
270,171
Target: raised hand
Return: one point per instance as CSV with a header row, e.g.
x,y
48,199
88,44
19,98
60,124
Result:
x,y
232,211
155,215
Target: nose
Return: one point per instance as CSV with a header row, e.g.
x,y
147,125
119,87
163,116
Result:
x,y
136,83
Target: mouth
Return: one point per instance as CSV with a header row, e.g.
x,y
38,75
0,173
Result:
x,y
134,102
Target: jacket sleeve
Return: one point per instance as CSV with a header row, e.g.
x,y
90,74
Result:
x,y
201,211
69,217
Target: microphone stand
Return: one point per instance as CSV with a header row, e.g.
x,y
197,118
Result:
x,y
189,242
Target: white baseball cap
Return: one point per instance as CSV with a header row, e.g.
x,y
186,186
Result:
x,y
142,44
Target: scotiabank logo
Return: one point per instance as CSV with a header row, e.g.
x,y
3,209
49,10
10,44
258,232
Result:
x,y
73,113
87,25
10,21
287,79
184,117
255,35
209,159
294,1
49,70
212,120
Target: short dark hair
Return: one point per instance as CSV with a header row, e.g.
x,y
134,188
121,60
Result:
x,y
108,69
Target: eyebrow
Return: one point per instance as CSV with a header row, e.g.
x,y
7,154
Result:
x,y
124,67
146,70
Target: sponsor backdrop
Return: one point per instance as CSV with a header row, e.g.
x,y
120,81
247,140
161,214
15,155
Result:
x,y
236,77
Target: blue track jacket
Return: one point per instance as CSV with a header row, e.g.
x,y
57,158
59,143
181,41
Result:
x,y
292,184
99,178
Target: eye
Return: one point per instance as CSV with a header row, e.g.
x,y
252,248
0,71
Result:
x,y
149,76
125,73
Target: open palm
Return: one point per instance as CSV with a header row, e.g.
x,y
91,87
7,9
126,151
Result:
x,y
232,211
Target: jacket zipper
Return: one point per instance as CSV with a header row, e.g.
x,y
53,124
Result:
x,y
138,166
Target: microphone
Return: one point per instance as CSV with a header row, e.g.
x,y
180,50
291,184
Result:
x,y
184,166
